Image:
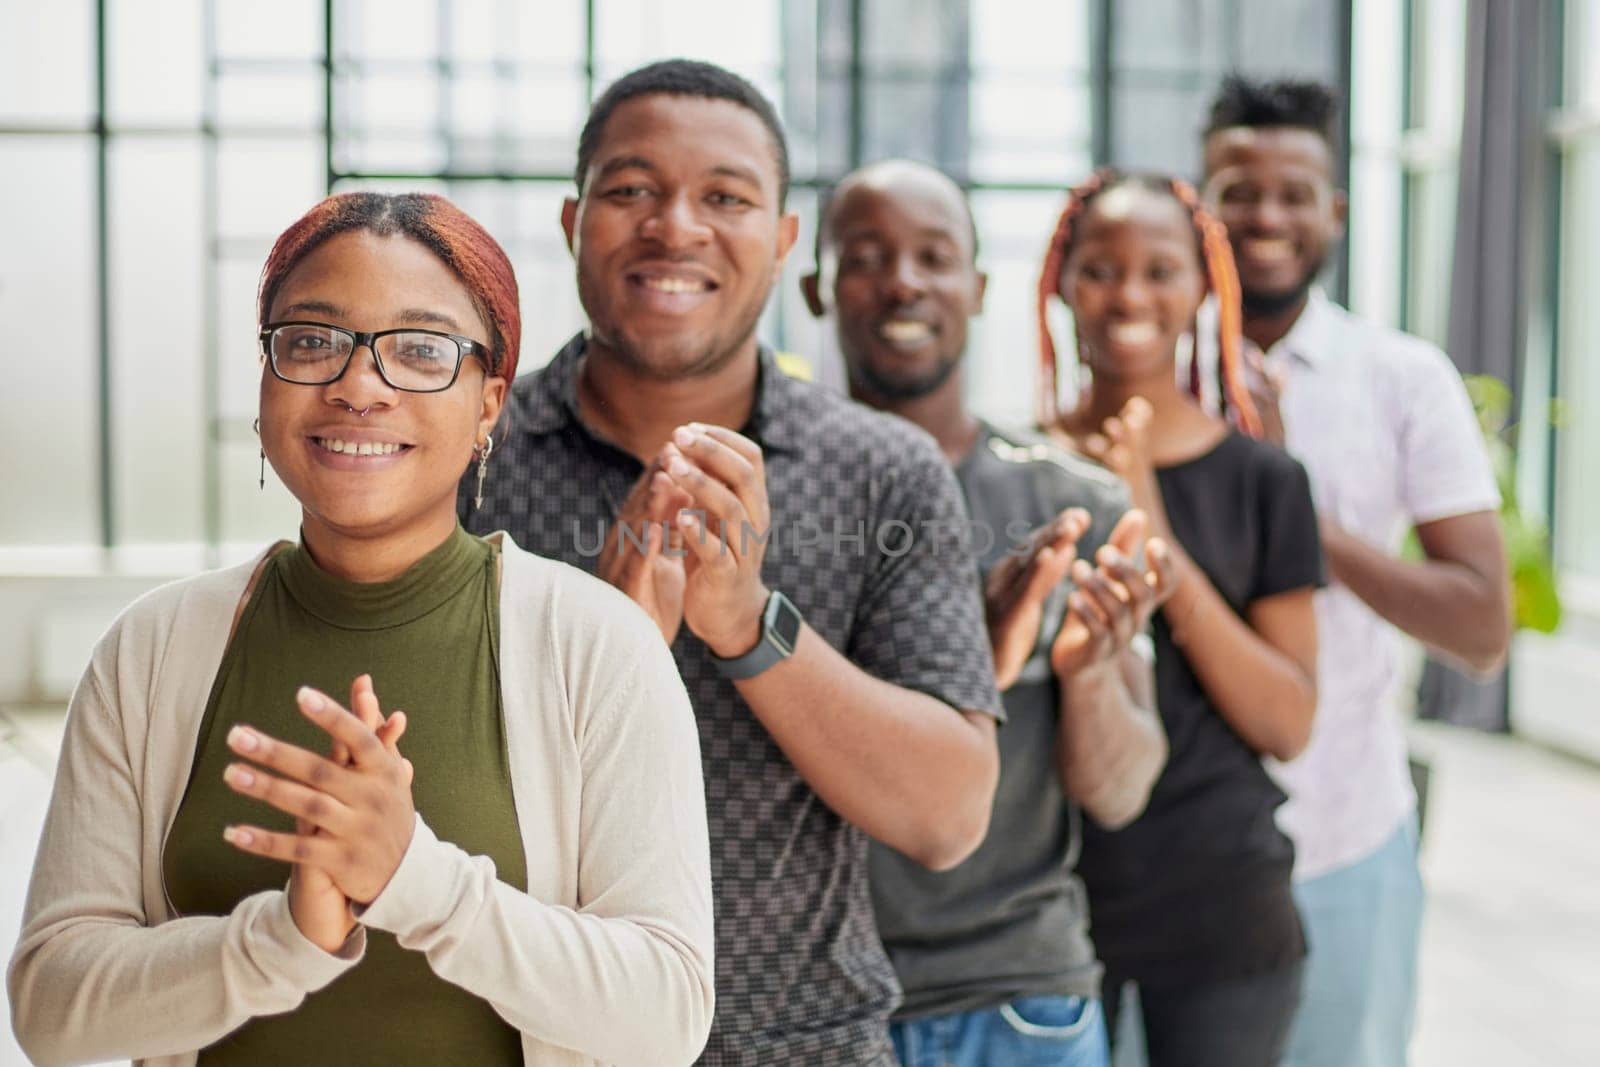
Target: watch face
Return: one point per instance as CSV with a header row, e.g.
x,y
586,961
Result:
x,y
785,625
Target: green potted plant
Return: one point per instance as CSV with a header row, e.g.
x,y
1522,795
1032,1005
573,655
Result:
x,y
1533,573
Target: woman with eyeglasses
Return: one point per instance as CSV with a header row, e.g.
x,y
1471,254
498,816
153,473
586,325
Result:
x,y
251,859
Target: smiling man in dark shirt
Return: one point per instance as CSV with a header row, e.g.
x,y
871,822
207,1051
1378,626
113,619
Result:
x,y
994,954
831,640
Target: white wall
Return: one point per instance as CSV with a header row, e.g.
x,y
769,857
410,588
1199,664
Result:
x,y
49,624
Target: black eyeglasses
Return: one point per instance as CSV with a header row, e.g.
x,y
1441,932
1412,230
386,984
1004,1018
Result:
x,y
411,360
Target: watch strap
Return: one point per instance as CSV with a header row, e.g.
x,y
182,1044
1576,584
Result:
x,y
771,648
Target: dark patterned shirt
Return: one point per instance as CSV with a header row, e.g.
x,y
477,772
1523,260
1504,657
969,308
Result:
x,y
865,540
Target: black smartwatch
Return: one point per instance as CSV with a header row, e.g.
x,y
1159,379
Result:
x,y
780,629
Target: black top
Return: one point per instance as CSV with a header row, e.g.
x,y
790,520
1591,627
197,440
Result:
x,y
1197,888
858,501
1012,920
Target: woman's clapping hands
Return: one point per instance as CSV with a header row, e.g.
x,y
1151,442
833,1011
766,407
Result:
x,y
353,811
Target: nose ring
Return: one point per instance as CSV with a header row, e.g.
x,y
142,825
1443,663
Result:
x,y
351,409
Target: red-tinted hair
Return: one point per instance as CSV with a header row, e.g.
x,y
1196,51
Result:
x,y
433,222
1222,279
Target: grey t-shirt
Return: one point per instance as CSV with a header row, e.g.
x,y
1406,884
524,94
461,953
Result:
x,y
1012,920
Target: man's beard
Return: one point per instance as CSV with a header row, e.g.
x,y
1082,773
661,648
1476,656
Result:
x,y
899,388
1267,305
653,359
648,361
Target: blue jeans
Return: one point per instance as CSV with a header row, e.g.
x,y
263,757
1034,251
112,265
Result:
x,y
1042,1031
1363,923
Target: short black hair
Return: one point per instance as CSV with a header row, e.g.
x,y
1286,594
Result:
x,y
826,198
683,77
1302,105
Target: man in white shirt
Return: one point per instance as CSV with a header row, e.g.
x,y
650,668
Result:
x,y
1382,423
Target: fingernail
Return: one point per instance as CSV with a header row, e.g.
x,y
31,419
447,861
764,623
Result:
x,y
683,437
243,739
239,776
678,467
310,699
236,836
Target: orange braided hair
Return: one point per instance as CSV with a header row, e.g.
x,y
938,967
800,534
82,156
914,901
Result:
x,y
1055,258
1222,279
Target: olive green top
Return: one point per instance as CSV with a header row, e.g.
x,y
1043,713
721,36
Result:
x,y
430,641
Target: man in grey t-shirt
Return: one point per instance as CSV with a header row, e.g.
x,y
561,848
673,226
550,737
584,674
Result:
x,y
994,955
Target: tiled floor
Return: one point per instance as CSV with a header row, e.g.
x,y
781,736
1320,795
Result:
x,y
1511,949
1511,952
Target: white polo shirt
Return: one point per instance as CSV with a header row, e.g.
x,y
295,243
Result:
x,y
1383,425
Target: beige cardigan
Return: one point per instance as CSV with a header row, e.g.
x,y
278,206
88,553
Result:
x,y
606,957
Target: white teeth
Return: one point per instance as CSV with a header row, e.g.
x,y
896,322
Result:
x,y
902,331
358,448
675,285
1265,248
1132,333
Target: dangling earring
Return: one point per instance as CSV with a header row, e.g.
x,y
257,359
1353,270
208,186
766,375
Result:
x,y
483,467
1082,374
261,481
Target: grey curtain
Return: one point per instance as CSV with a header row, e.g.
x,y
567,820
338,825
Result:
x,y
1500,154
1500,142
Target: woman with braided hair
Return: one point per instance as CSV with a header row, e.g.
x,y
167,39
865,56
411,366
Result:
x,y
1192,901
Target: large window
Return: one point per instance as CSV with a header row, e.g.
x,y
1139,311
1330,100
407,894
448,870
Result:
x,y
153,150
1574,134
48,275
1405,119
1435,43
